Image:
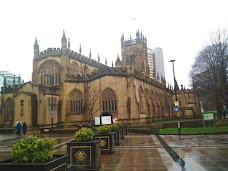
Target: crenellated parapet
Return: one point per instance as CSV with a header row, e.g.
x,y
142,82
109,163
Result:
x,y
57,52
149,80
109,71
131,42
86,60
49,52
140,39
8,89
119,72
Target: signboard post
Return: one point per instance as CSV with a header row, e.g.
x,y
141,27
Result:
x,y
208,117
176,108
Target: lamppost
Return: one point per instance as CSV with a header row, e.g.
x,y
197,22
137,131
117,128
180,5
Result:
x,y
52,106
175,91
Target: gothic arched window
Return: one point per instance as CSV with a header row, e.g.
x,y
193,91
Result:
x,y
75,101
109,100
74,69
50,72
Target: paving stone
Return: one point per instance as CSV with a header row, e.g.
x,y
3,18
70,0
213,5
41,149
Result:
x,y
145,152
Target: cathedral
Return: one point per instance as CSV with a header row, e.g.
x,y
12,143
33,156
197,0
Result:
x,y
68,87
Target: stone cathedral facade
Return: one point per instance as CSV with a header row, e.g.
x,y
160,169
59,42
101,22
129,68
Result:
x,y
70,87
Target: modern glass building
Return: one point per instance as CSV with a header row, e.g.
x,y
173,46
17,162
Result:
x,y
156,63
9,79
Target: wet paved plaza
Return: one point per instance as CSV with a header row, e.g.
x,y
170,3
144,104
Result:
x,y
146,152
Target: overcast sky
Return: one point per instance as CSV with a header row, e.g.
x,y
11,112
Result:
x,y
180,27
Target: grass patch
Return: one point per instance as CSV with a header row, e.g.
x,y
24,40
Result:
x,y
221,129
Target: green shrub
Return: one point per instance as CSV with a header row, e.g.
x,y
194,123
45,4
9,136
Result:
x,y
115,127
83,134
119,124
32,150
104,129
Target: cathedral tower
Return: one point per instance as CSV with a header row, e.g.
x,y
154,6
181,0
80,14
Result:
x,y
134,53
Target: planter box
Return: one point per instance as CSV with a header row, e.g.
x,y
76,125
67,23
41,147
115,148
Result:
x,y
59,163
107,142
122,132
117,136
125,129
84,155
70,167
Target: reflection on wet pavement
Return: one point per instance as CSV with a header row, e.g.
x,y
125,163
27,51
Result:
x,y
145,152
200,152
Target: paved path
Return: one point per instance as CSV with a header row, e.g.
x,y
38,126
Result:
x,y
201,152
147,152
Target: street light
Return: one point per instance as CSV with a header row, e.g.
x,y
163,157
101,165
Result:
x,y
175,91
52,107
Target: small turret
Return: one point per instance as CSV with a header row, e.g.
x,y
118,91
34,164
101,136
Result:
x,y
64,42
118,63
36,49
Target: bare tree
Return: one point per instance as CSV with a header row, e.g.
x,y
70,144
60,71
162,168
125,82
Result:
x,y
94,104
209,72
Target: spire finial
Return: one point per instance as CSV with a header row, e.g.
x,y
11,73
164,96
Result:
x,y
64,37
36,46
98,57
68,43
19,80
4,82
36,49
90,55
80,49
122,37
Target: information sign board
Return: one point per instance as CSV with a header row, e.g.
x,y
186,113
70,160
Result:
x,y
176,108
208,116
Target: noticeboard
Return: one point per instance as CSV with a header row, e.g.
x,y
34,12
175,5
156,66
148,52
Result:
x,y
208,116
106,120
97,120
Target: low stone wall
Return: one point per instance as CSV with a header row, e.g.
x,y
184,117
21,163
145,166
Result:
x,y
7,130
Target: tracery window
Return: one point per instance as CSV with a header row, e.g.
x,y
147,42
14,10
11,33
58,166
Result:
x,y
50,72
109,100
75,101
74,69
